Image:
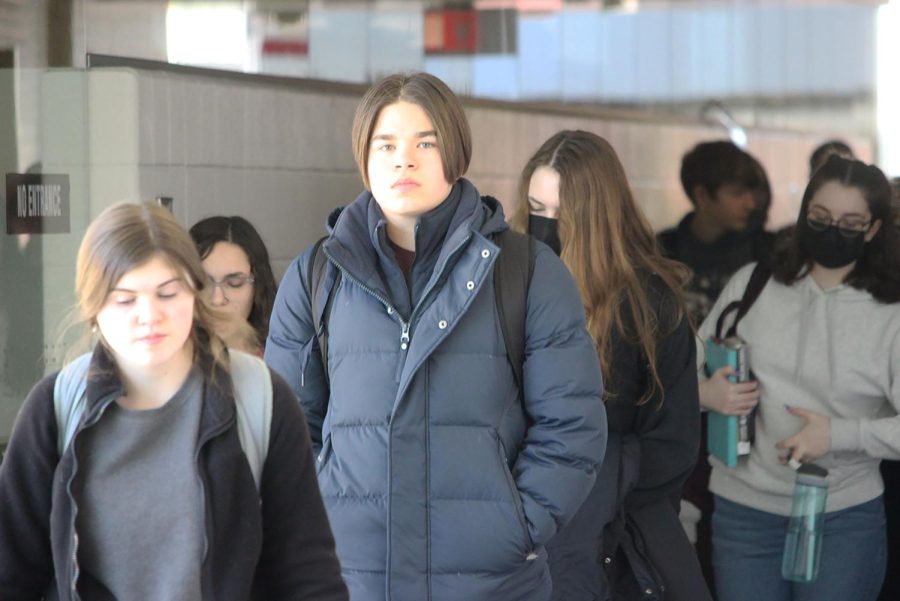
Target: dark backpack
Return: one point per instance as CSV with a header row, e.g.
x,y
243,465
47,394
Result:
x,y
512,277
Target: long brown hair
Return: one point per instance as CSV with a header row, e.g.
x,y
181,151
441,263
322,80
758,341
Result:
x,y
609,247
125,236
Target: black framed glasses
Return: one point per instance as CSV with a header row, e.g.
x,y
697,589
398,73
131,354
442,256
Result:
x,y
849,227
233,282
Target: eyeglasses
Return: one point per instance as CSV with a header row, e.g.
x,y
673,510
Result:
x,y
849,227
231,282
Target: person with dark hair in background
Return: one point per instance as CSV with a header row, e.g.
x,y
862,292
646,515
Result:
x,y
824,150
824,335
443,477
237,265
128,473
637,317
730,193
727,187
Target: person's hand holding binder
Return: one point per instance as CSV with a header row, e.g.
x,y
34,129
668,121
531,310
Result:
x,y
728,398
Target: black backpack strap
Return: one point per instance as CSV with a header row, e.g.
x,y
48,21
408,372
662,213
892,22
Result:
x,y
315,278
512,277
755,285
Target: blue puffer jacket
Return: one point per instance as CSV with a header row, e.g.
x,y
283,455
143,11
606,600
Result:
x,y
439,483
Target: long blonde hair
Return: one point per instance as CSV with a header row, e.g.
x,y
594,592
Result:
x,y
607,244
126,235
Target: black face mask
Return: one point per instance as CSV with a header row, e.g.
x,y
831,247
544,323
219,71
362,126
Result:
x,y
546,230
829,248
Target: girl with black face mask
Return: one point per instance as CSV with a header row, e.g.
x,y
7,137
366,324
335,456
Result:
x,y
574,196
824,339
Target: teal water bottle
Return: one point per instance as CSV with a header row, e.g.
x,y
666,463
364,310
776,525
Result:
x,y
803,542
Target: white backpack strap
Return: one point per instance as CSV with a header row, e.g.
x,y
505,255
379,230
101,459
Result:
x,y
252,384
69,399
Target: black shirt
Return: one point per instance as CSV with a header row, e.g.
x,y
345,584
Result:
x,y
713,264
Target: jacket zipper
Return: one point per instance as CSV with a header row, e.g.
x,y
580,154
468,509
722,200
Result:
x,y
405,325
405,335
391,309
76,570
204,503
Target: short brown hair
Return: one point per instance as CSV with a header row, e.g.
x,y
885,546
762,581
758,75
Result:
x,y
454,138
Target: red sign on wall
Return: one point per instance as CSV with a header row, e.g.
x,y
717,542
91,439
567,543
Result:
x,y
451,31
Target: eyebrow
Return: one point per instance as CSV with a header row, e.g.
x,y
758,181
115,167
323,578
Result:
x,y
823,209
418,134
163,285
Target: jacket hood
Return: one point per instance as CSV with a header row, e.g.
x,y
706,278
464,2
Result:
x,y
357,232
494,219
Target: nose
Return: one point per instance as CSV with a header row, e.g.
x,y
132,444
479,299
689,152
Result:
x,y
217,296
405,157
147,310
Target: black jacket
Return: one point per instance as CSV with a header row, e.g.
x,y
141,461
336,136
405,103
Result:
x,y
271,544
627,542
712,264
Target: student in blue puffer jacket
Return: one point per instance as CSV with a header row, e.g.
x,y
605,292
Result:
x,y
442,480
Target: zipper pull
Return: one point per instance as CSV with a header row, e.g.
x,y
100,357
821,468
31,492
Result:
x,y
404,336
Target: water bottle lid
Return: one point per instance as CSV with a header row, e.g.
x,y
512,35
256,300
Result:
x,y
810,473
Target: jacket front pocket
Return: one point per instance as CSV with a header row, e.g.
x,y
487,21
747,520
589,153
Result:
x,y
516,497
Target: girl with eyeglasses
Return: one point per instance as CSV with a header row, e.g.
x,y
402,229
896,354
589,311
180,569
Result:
x,y
824,339
240,280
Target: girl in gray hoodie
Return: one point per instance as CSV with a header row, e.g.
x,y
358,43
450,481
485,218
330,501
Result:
x,y
824,340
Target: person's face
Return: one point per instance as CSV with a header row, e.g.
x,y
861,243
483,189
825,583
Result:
x,y
543,192
230,285
730,207
843,206
406,173
146,319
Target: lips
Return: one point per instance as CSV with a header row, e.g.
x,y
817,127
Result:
x,y
406,184
152,339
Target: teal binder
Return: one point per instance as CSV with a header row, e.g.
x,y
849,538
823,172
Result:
x,y
728,436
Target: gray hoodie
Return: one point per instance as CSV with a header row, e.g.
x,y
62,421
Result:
x,y
835,352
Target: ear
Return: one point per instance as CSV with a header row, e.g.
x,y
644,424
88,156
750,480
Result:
x,y
701,196
876,225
